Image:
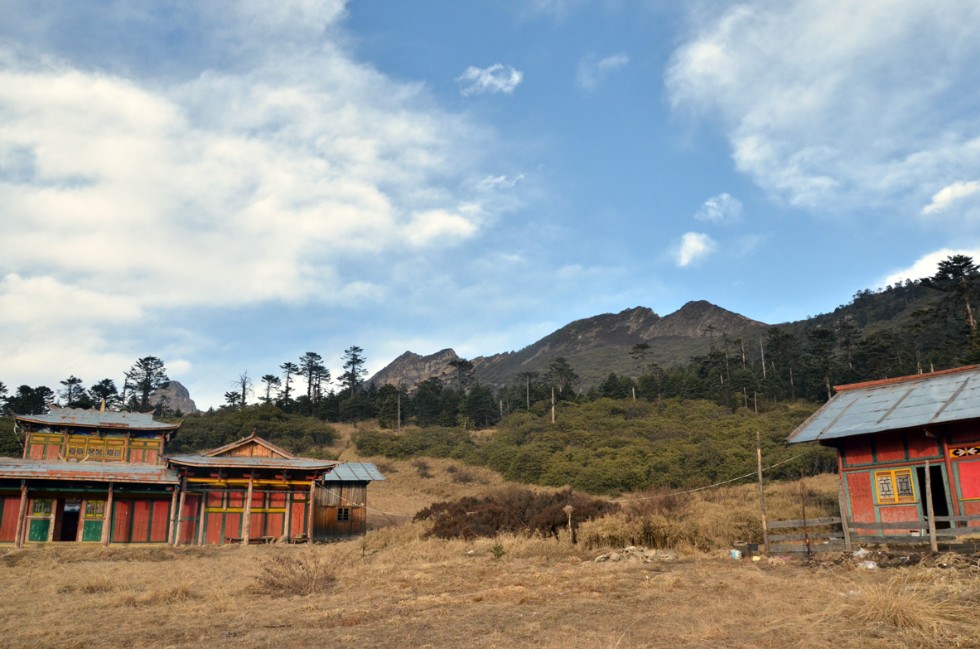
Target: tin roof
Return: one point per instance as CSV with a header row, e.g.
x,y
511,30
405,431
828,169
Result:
x,y
98,419
245,462
353,472
892,404
20,469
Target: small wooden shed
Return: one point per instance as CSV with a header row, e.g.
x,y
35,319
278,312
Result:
x,y
341,501
906,447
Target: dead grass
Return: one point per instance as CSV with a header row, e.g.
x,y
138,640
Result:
x,y
398,587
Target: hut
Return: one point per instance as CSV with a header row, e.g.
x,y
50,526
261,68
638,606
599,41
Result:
x,y
100,476
908,450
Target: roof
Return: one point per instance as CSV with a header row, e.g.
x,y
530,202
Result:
x,y
20,469
354,472
246,462
893,404
251,439
98,419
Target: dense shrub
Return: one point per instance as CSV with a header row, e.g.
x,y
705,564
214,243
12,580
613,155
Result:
x,y
513,511
299,434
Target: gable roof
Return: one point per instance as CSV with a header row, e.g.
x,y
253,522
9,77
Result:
x,y
98,419
253,439
894,404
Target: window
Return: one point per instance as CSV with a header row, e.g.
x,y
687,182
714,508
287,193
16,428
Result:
x,y
94,509
895,486
41,508
343,514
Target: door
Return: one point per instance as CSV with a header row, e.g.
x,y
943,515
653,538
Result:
x,y
940,506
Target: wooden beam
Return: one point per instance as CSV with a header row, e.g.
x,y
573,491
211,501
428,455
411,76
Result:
x,y
21,516
309,511
180,510
933,545
107,519
247,514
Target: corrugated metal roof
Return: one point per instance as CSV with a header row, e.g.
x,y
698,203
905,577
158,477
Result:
x,y
98,419
19,469
354,472
234,461
892,404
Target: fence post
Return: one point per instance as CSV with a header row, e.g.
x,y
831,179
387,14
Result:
x,y
806,530
762,491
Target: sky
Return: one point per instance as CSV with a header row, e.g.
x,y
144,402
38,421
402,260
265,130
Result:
x,y
229,184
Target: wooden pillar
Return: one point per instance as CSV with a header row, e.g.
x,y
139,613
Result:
x,y
845,523
247,513
288,523
957,506
21,516
309,510
933,545
107,520
202,512
180,510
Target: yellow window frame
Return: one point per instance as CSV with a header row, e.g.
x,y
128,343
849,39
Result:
x,y
894,486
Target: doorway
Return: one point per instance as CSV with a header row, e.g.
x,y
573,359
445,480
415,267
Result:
x,y
940,507
69,520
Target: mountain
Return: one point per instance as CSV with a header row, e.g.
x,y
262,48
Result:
x,y
175,398
593,347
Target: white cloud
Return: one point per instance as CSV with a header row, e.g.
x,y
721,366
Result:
x,y
493,79
499,182
832,104
720,209
926,265
950,194
438,227
592,72
694,247
265,167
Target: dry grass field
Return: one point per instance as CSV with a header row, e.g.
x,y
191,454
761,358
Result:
x,y
398,588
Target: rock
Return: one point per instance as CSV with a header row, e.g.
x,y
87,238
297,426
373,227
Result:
x,y
175,398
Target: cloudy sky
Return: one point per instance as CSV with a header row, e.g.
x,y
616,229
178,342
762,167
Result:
x,y
227,185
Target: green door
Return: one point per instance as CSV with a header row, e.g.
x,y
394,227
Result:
x,y
39,530
92,531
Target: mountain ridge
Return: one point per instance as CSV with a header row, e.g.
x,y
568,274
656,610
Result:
x,y
593,346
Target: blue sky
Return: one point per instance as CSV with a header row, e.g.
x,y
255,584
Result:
x,y
227,185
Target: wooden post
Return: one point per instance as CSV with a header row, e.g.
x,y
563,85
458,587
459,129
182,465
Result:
x,y
172,523
178,528
202,509
762,491
806,529
309,510
844,522
21,516
288,523
247,514
933,545
107,519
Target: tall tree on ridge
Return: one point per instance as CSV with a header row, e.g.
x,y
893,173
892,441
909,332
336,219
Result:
x,y
145,376
73,390
354,371
958,276
272,382
316,373
104,390
289,370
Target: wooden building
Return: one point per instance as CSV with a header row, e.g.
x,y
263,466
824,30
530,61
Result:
x,y
95,476
906,447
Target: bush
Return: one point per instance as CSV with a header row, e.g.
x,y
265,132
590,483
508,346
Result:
x,y
512,511
303,573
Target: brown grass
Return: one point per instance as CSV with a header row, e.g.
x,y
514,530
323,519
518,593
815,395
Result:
x,y
397,587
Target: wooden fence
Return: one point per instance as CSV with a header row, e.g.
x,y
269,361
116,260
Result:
x,y
830,534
